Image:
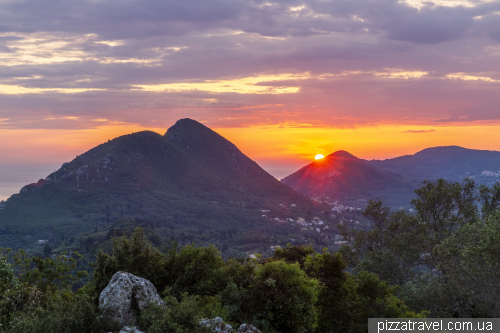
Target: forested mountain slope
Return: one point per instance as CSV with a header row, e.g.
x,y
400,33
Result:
x,y
452,162
191,178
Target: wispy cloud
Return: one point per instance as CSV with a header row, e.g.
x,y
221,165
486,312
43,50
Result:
x,y
419,131
334,63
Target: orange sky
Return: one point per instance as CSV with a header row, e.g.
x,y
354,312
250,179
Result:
x,y
278,149
273,145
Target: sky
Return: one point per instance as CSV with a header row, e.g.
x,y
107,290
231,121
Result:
x,y
283,80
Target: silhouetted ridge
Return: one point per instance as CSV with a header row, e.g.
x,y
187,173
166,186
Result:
x,y
451,162
342,153
191,178
343,176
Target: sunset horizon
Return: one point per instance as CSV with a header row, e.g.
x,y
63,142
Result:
x,y
288,148
378,79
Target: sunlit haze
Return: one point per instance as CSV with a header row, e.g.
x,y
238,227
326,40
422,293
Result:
x,y
284,81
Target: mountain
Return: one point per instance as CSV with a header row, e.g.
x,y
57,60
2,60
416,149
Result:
x,y
190,179
342,176
452,162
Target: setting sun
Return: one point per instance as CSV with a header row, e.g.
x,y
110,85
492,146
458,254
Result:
x,y
318,157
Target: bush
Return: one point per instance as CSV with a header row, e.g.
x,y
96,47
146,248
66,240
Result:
x,y
135,255
280,297
196,270
7,278
297,290
56,313
176,317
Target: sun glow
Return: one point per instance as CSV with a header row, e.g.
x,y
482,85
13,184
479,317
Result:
x,y
318,157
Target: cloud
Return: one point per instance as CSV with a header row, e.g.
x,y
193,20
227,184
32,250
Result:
x,y
421,131
343,63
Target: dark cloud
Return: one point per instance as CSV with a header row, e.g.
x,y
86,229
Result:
x,y
430,26
143,19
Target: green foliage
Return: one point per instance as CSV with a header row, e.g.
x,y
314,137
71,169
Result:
x,y
444,256
48,274
280,297
490,199
196,270
135,255
8,279
470,258
371,298
298,290
57,314
293,254
284,296
334,304
211,307
177,317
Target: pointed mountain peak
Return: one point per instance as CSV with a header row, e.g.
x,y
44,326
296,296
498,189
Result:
x,y
187,125
342,153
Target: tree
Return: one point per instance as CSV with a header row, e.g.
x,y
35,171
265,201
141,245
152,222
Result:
x,y
47,250
435,254
8,279
279,297
48,274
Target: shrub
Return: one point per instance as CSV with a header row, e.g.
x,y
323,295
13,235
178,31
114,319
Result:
x,y
8,279
76,314
135,255
196,270
280,297
177,317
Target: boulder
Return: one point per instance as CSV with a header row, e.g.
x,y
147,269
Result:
x,y
247,328
131,329
217,325
125,295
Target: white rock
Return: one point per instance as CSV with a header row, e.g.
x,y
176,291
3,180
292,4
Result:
x,y
247,328
131,329
217,325
118,296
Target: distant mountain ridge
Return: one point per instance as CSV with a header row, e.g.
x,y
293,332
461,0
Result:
x,y
190,178
450,162
342,176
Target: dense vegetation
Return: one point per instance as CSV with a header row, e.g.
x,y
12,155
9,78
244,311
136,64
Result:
x,y
191,179
297,290
444,256
450,162
439,260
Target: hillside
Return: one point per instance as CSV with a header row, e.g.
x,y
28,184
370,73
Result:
x,y
451,162
342,176
191,179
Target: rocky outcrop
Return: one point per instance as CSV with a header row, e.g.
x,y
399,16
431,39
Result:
x,y
131,329
217,325
247,328
125,295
